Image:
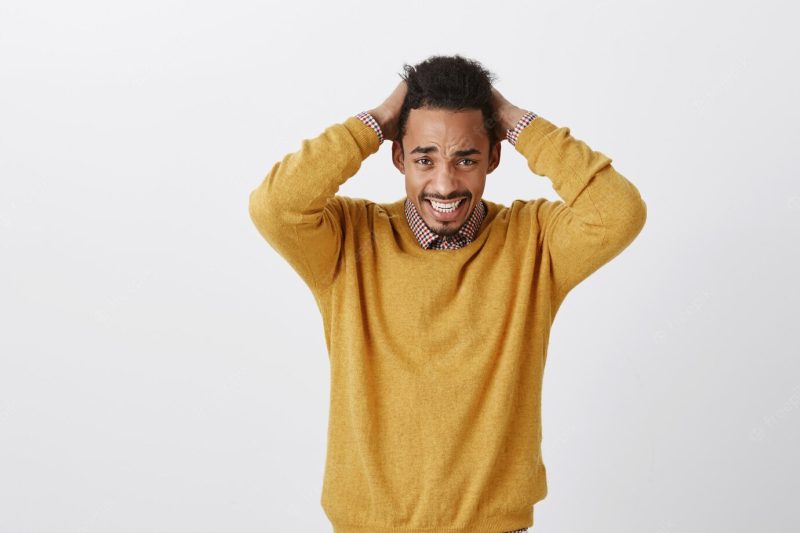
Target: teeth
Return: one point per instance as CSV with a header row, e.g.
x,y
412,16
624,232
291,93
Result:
x,y
446,207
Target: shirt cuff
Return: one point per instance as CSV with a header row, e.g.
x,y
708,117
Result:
x,y
513,133
370,121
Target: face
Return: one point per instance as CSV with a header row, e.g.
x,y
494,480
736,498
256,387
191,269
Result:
x,y
446,158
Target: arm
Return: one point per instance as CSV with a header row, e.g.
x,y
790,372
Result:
x,y
600,213
295,208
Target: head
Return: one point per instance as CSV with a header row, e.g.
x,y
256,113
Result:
x,y
446,141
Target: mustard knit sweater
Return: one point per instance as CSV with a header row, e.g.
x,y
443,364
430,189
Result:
x,y
437,356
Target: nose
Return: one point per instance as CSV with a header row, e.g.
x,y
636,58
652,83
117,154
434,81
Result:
x,y
445,185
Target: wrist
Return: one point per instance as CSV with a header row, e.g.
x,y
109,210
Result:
x,y
510,117
386,120
380,117
367,118
513,133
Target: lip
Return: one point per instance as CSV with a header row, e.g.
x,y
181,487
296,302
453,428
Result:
x,y
446,217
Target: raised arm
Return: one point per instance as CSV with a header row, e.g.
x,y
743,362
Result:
x,y
600,213
296,209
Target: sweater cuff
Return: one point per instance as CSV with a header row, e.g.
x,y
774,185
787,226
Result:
x,y
368,142
532,135
367,118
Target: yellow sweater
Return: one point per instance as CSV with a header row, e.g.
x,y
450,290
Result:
x,y
437,356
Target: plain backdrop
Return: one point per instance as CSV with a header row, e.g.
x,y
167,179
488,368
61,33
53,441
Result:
x,y
162,369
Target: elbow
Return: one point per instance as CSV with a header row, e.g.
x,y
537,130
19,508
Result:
x,y
632,224
261,214
639,215
627,227
633,213
254,203
255,206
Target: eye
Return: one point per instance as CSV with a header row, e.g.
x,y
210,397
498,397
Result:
x,y
472,162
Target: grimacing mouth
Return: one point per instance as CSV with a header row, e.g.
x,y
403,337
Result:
x,y
460,202
462,198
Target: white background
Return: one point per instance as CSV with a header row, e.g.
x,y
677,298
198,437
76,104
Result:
x,y
164,370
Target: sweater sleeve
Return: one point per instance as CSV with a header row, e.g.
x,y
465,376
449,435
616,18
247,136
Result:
x,y
295,208
600,211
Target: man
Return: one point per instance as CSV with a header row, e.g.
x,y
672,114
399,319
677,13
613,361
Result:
x,y
437,307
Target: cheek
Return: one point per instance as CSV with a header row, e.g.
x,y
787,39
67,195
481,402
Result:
x,y
477,186
415,179
413,186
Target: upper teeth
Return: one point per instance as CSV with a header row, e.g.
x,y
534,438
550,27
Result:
x,y
448,206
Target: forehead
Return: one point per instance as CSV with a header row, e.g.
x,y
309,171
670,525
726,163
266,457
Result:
x,y
445,125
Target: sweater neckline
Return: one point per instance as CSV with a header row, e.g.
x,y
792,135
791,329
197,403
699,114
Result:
x,y
411,243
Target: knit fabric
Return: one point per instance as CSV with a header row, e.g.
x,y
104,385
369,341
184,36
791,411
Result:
x,y
437,357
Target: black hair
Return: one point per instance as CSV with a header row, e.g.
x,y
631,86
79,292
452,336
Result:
x,y
448,82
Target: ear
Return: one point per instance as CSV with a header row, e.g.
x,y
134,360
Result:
x,y
494,159
397,156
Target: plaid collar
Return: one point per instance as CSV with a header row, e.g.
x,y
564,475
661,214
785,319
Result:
x,y
430,240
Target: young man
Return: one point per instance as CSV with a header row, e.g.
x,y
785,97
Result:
x,y
437,307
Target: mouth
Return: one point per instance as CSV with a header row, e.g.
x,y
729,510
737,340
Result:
x,y
445,211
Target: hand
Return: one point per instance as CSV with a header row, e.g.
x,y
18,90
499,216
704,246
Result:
x,y
388,113
505,114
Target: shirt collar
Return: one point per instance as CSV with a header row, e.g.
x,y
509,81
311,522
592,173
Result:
x,y
430,240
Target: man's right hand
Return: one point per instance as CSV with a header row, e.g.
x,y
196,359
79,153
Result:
x,y
388,113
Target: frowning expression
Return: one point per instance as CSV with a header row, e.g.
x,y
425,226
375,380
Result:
x,y
445,156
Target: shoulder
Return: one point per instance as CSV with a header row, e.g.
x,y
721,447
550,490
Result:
x,y
363,211
526,214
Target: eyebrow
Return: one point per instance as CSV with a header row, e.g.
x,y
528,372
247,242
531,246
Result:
x,y
458,153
